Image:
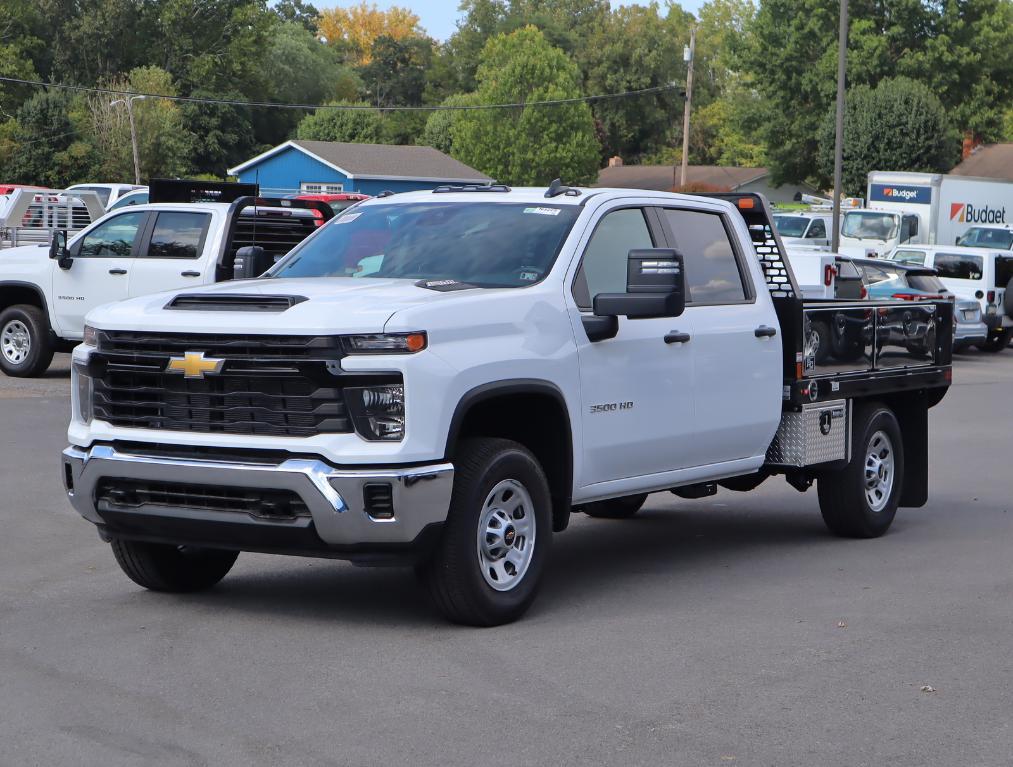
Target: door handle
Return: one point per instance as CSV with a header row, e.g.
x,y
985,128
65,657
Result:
x,y
675,337
764,332
189,274
117,271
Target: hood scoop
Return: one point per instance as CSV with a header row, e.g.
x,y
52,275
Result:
x,y
233,302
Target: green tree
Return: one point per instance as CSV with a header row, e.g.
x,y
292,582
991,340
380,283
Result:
x,y
361,126
47,143
949,46
634,49
439,129
898,125
221,135
528,145
298,11
396,72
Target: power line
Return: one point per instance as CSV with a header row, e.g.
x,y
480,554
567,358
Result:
x,y
345,107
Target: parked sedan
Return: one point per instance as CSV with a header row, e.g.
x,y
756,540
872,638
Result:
x,y
891,279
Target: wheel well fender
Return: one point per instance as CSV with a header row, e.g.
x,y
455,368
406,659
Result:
x,y
912,412
529,411
12,293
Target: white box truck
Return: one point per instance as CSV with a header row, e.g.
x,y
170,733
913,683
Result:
x,y
922,208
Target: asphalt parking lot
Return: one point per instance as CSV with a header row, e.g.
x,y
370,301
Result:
x,y
727,631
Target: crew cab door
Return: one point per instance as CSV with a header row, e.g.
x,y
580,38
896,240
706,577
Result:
x,y
736,337
636,389
102,259
172,253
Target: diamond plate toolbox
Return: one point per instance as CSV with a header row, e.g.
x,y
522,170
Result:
x,y
817,434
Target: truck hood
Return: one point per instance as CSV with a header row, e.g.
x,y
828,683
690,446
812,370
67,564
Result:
x,y
25,254
327,305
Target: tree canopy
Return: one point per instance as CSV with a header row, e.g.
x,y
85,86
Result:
x,y
764,81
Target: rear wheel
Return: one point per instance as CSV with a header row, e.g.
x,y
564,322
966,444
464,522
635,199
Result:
x,y
163,567
616,508
25,346
997,341
860,500
495,543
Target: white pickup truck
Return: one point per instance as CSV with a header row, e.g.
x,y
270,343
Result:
x,y
441,378
47,289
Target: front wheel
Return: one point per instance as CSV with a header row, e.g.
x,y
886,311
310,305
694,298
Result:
x,y
860,500
25,346
488,564
180,569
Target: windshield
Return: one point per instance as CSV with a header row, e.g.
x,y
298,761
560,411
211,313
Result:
x,y
915,257
486,244
791,226
102,192
985,237
869,225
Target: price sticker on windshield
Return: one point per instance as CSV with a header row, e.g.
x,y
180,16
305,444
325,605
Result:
x,y
347,218
543,211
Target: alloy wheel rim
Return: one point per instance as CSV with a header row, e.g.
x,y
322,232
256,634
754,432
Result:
x,y
879,471
506,535
15,342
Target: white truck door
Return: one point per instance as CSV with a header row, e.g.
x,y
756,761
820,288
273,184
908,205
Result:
x,y
103,257
172,253
736,343
636,389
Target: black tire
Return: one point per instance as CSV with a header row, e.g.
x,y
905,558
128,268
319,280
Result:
x,y
997,341
178,569
615,508
454,574
820,339
844,503
26,347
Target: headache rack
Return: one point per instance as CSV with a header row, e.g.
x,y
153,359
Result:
x,y
877,346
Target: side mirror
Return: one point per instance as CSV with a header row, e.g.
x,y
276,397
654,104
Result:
x,y
655,287
250,262
58,244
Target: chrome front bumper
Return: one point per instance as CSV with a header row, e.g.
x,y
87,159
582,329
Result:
x,y
334,496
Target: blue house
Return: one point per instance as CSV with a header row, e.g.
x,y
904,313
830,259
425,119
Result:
x,y
324,167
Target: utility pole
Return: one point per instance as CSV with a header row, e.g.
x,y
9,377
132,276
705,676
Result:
x,y
688,55
842,62
129,101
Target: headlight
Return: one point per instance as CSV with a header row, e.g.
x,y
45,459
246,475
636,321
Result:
x,y
377,411
83,391
90,336
389,343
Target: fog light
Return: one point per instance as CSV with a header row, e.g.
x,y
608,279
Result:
x,y
377,411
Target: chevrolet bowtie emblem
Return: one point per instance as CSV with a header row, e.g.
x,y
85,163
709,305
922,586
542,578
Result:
x,y
194,365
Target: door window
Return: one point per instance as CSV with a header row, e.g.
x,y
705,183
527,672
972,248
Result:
x,y
603,268
113,238
817,230
178,235
959,267
712,270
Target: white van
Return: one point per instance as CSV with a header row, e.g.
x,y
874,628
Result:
x,y
979,273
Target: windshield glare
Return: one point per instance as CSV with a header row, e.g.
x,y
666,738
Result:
x,y
978,236
791,226
486,244
869,225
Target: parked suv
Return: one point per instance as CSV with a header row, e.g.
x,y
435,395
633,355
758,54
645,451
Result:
x,y
803,228
980,274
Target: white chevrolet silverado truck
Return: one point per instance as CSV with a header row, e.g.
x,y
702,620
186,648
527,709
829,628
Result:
x,y
442,378
47,289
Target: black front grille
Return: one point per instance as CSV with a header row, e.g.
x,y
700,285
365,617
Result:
x,y
135,493
235,347
267,385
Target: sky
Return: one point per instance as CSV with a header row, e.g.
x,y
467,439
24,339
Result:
x,y
439,17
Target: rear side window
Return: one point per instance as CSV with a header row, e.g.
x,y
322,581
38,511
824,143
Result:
x,y
178,235
712,270
927,282
959,267
915,257
603,269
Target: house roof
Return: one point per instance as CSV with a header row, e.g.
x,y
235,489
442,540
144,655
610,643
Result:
x,y
988,161
664,177
383,161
